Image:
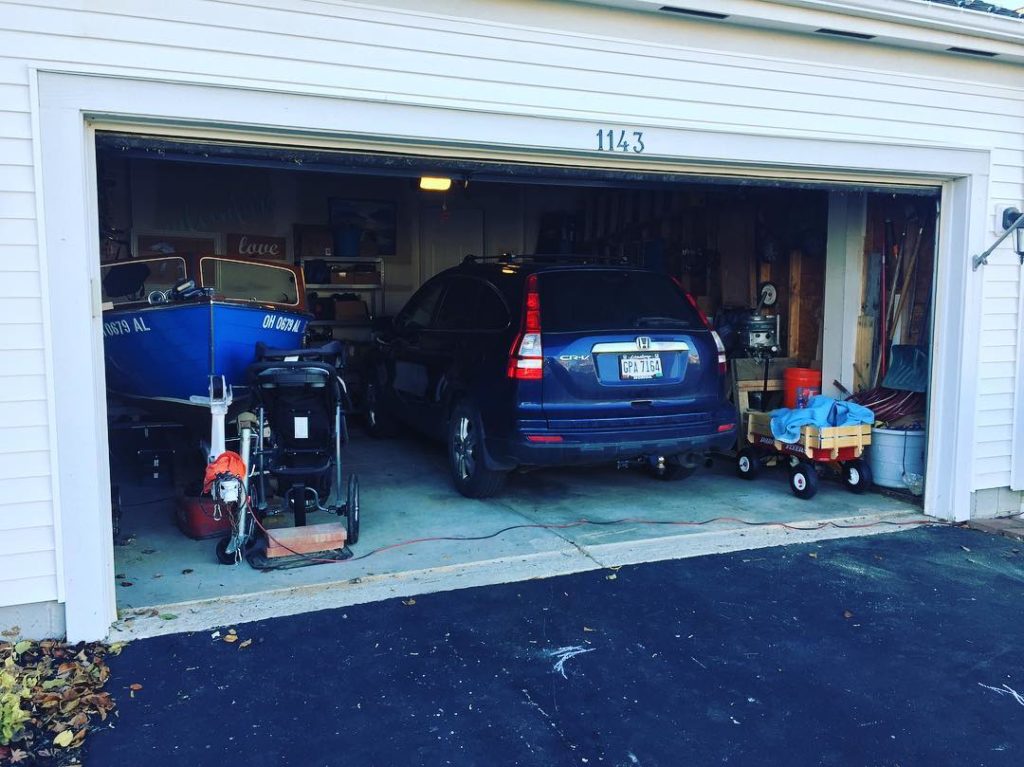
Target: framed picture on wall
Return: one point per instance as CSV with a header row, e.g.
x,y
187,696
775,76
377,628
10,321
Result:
x,y
161,244
362,228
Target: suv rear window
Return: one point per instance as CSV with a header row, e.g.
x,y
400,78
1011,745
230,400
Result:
x,y
585,300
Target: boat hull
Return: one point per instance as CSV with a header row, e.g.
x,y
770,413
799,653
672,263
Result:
x,y
168,352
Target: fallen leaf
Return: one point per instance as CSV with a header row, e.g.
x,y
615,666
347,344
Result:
x,y
17,755
135,687
22,646
408,602
168,616
232,631
64,738
215,635
115,649
847,614
245,644
231,638
813,555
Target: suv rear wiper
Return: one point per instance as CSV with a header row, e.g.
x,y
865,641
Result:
x,y
640,322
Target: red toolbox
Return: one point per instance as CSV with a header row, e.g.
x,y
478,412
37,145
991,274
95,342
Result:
x,y
202,517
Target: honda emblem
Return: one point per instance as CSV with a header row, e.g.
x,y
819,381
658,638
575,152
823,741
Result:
x,y
643,343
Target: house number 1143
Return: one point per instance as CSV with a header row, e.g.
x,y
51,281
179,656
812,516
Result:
x,y
608,141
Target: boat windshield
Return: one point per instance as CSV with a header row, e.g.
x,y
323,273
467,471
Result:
x,y
131,281
250,281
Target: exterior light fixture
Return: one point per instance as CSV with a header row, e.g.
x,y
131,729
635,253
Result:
x,y
435,184
1012,222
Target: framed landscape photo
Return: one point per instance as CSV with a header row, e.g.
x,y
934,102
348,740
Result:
x,y
362,228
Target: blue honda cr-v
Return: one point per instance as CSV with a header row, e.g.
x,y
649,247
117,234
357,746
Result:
x,y
531,362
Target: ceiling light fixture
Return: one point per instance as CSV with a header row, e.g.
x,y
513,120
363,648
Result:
x,y
435,183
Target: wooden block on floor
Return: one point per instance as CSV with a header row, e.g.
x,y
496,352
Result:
x,y
310,539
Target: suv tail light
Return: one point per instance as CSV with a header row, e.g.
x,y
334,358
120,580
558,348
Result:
x,y
526,357
722,365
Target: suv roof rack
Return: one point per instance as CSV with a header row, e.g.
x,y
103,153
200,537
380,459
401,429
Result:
x,y
554,258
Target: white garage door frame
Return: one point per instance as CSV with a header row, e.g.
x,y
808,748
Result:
x,y
72,106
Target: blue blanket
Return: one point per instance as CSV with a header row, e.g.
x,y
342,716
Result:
x,y
820,411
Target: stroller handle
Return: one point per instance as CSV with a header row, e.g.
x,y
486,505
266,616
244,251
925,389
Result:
x,y
332,353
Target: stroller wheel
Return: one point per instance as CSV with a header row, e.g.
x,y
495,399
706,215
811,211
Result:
x,y
222,552
352,511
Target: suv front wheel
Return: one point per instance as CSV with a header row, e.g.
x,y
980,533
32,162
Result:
x,y
470,474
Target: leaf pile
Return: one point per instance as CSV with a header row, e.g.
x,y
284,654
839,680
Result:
x,y
61,689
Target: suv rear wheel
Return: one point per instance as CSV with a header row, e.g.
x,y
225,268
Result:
x,y
470,474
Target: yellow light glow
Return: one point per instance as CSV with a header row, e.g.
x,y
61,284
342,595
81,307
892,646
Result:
x,y
435,184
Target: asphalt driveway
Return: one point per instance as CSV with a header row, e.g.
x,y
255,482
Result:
x,y
899,649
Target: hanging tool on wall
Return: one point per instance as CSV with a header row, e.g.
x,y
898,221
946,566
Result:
x,y
889,239
909,273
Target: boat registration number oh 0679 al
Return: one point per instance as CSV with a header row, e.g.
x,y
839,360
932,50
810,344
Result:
x,y
282,322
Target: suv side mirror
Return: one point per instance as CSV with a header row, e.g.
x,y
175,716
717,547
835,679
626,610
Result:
x,y
384,324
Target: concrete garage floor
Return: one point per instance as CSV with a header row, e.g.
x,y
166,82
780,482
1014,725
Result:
x,y
406,495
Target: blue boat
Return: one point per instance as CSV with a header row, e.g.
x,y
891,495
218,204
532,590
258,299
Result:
x,y
169,323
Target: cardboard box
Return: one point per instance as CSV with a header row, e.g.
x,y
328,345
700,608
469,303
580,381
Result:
x,y
348,310
354,277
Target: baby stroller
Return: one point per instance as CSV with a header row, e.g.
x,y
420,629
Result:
x,y
294,440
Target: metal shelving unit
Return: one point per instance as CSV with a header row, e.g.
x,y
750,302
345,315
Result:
x,y
373,291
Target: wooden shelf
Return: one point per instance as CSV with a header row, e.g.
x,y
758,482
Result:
x,y
342,286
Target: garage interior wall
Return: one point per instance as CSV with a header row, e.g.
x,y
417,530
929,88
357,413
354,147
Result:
x,y
516,57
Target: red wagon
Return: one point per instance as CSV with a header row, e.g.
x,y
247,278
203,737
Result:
x,y
837,447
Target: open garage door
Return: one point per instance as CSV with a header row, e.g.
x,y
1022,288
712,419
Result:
x,y
353,235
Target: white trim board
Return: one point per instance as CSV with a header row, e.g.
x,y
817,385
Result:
x,y
72,106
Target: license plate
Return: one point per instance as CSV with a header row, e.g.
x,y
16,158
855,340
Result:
x,y
639,366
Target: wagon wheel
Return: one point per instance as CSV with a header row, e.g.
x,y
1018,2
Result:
x,y
748,463
803,480
857,476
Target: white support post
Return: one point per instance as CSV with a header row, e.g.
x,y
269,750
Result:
x,y
844,270
218,404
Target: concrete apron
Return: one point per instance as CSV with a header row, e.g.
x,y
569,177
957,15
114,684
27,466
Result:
x,y
406,494
204,614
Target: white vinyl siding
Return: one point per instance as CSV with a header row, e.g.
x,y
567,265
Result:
x,y
601,66
28,568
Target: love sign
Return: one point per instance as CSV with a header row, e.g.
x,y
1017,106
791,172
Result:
x,y
257,246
